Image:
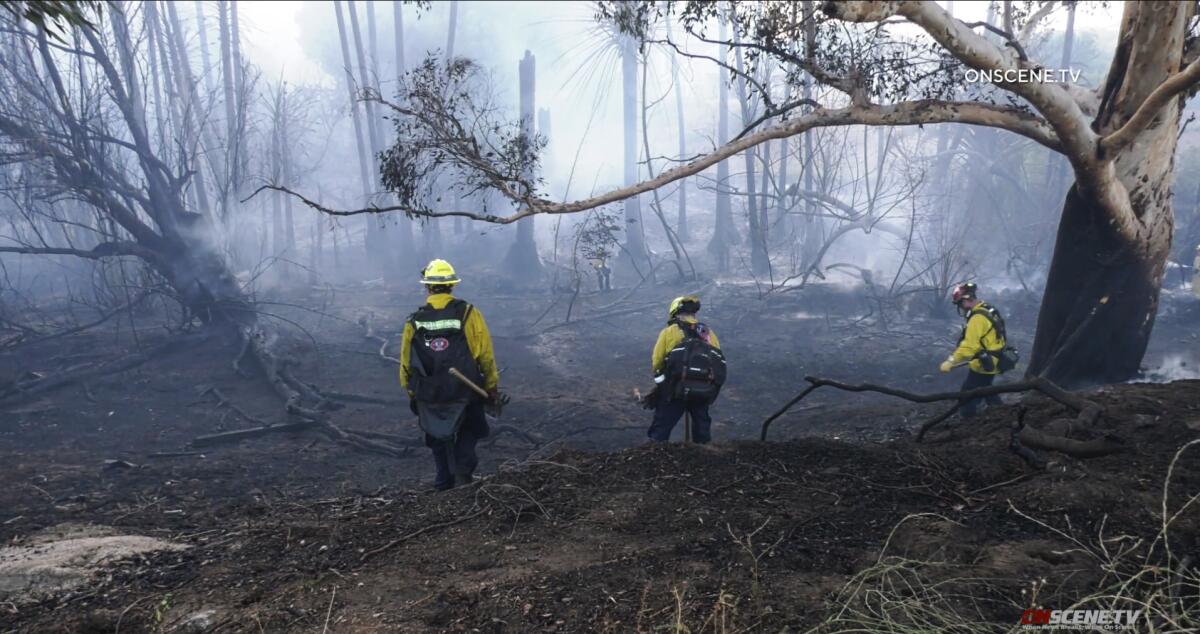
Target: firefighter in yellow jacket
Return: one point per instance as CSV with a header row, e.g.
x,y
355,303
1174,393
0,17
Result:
x,y
983,337
689,370
448,333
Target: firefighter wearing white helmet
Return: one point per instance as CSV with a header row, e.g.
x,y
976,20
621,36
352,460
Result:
x,y
448,333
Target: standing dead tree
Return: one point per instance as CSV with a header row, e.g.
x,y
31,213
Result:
x,y
98,146
90,137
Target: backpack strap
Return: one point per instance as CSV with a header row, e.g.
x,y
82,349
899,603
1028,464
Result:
x,y
460,309
466,309
690,329
995,320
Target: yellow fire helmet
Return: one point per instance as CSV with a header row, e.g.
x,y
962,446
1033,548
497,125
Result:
x,y
439,273
685,304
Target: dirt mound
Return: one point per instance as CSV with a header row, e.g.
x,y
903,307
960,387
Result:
x,y
65,558
730,537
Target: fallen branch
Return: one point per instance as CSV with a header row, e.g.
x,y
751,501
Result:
x,y
175,454
498,430
403,441
365,322
104,316
293,393
21,391
1103,446
400,540
611,428
1087,411
252,432
940,418
307,391
241,413
1015,445
347,397
359,439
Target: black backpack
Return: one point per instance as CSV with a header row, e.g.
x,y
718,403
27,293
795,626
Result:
x,y
438,344
1007,357
695,369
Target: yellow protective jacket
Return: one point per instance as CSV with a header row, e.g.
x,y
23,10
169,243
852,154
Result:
x,y
978,335
670,337
479,340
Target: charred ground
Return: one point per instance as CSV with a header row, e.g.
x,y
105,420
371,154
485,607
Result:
x,y
582,528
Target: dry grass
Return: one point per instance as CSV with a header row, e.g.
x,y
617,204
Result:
x,y
898,595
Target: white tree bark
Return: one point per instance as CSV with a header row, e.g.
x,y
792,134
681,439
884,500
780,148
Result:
x,y
363,161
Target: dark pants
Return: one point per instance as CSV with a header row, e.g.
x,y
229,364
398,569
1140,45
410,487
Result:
x,y
668,412
474,427
974,381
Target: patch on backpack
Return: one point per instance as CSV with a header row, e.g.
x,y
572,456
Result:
x,y
439,344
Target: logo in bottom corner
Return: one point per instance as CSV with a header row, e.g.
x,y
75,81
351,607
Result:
x,y
1090,620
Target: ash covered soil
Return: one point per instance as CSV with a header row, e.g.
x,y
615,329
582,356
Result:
x,y
580,526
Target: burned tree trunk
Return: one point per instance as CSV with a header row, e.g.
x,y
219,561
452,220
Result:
x,y
1103,288
186,90
635,243
523,260
758,246
379,253
237,143
724,234
157,227
681,227
230,107
278,247
286,174
405,259
452,30
205,60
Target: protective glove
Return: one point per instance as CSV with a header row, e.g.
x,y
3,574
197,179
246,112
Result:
x,y
650,400
496,397
947,365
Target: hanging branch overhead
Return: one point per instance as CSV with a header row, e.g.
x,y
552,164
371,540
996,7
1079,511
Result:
x,y
903,114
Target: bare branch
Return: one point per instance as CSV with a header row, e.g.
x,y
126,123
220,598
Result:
x,y
1185,79
902,114
103,250
1009,38
1035,19
1062,112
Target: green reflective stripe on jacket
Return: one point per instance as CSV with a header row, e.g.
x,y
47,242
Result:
x,y
441,324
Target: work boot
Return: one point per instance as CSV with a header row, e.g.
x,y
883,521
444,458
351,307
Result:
x,y
463,479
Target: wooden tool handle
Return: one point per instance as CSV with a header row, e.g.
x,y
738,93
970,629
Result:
x,y
469,383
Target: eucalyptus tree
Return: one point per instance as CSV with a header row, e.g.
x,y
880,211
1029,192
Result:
x,y
681,222
911,63
365,165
